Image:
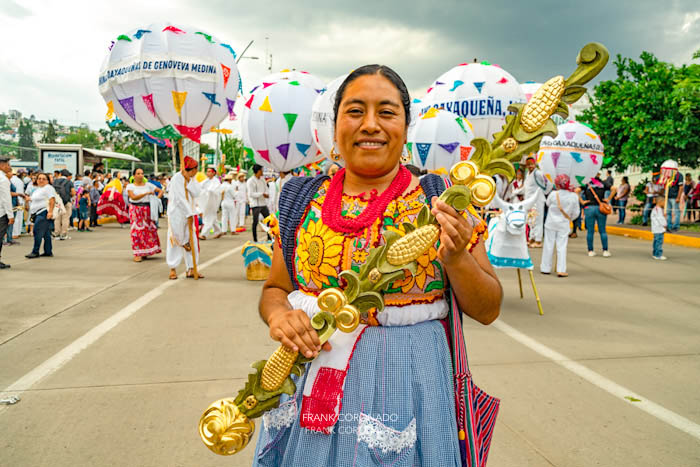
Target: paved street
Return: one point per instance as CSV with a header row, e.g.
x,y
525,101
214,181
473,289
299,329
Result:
x,y
152,354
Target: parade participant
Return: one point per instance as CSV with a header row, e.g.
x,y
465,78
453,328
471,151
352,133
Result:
x,y
659,225
209,202
563,207
112,202
228,205
516,189
535,183
182,213
20,200
258,195
41,211
388,386
7,216
144,233
83,210
241,200
273,191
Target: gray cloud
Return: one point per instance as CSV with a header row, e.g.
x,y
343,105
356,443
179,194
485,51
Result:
x,y
13,10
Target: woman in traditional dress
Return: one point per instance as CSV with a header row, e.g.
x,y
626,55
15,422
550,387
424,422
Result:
x,y
384,393
144,233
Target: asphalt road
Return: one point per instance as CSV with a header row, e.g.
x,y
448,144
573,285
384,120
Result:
x,y
114,364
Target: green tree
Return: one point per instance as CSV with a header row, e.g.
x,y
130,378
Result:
x,y
50,135
232,152
84,136
649,113
26,142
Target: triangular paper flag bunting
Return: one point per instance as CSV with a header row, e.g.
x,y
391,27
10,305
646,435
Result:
x,y
528,96
540,155
230,49
570,134
285,71
284,150
320,91
124,37
265,107
250,102
139,34
594,158
457,84
548,177
591,135
111,45
167,132
461,123
179,101
449,147
423,150
431,113
316,136
115,122
264,154
429,89
502,80
249,154
173,29
206,36
267,85
464,152
478,85
226,72
439,83
555,158
148,100
160,142
580,179
294,83
192,132
212,98
485,62
577,156
229,105
290,118
110,111
303,148
128,105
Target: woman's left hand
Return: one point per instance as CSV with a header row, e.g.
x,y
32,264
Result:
x,y
49,215
455,232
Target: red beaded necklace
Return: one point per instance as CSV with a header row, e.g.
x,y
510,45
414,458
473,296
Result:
x,y
333,205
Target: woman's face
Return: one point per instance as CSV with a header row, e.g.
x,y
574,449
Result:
x,y
138,176
370,129
519,174
41,180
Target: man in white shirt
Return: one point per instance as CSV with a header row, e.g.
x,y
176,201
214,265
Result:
x,y
7,217
563,207
257,198
209,202
535,183
19,209
183,190
241,200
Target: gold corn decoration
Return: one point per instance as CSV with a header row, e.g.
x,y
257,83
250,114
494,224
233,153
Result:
x,y
542,104
227,426
278,368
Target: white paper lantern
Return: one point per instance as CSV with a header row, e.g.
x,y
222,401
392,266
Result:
x,y
322,123
276,126
302,77
440,139
170,80
576,151
479,92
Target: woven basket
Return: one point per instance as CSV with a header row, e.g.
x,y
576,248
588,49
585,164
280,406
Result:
x,y
257,271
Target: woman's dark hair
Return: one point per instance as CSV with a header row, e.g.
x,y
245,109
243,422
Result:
x,y
48,179
625,179
384,71
137,169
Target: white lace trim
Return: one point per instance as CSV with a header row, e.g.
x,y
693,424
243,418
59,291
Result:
x,y
281,417
377,435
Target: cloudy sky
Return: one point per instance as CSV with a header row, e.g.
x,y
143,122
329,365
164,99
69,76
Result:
x,y
52,50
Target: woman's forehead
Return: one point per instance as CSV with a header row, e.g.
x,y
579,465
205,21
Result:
x,y
371,88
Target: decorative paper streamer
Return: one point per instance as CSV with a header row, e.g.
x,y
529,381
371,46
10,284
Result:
x,y
580,179
227,73
423,149
439,83
167,132
449,147
284,150
265,107
250,102
124,37
430,114
457,84
113,123
479,85
267,85
290,118
503,80
179,101
303,148
139,34
294,83
128,105
110,111
594,158
148,101
173,29
591,135
193,133
576,156
464,152
570,134
160,142
555,157
229,105
230,49
212,98
265,154
206,36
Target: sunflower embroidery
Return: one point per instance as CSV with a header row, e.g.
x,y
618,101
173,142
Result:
x,y
319,252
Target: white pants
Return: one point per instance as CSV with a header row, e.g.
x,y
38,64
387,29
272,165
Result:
x,y
229,217
17,226
552,238
174,255
536,230
240,206
210,225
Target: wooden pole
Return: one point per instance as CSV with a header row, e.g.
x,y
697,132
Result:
x,y
520,283
190,221
537,296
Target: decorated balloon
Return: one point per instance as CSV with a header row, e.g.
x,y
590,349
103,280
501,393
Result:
x,y
479,92
302,77
440,139
276,126
169,81
322,124
669,169
576,151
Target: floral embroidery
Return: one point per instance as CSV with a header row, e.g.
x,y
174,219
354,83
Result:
x,y
377,435
281,417
359,256
319,252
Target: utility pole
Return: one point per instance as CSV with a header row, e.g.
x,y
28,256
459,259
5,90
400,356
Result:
x,y
268,54
155,158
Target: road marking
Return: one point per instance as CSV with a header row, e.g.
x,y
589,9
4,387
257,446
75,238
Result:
x,y
86,340
621,392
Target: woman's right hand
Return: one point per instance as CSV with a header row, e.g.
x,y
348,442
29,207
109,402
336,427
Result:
x,y
292,328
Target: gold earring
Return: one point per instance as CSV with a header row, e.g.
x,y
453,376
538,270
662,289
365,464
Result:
x,y
335,156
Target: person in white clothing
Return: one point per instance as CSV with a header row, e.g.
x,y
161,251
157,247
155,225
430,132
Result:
x,y
241,201
563,208
7,216
41,211
182,212
658,227
209,202
272,188
19,209
257,198
535,183
516,189
228,206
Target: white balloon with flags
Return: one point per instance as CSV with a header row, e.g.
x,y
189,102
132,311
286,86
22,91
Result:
x,y
322,123
577,151
439,139
276,125
479,92
302,77
169,81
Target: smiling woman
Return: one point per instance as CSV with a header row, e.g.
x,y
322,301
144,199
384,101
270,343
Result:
x,y
383,393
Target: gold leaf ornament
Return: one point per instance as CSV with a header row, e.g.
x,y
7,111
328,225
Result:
x,y
224,429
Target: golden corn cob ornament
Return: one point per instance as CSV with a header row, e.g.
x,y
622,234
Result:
x,y
227,426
